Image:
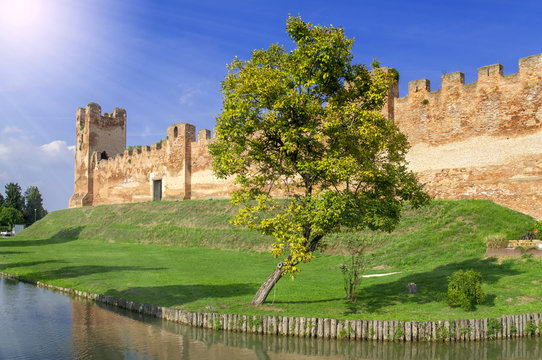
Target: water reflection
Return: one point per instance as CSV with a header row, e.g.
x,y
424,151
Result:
x,y
39,324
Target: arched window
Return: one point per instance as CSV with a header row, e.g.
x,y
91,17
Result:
x,y
175,132
103,156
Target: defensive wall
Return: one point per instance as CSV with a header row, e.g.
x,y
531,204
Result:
x,y
479,140
177,168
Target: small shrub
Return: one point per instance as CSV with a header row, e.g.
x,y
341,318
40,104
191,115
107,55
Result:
x,y
398,334
465,289
530,327
496,241
216,324
425,102
513,329
352,273
493,327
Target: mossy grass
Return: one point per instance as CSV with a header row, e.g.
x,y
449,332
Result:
x,y
187,255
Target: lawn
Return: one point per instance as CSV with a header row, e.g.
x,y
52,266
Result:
x,y
187,255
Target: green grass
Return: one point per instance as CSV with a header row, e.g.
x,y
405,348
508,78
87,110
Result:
x,y
187,255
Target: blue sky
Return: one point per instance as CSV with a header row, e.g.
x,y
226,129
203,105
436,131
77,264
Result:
x,y
163,61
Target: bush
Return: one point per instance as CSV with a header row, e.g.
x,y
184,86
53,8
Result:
x,y
538,230
465,289
496,241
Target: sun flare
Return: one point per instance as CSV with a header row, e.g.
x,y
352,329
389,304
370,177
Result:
x,y
23,17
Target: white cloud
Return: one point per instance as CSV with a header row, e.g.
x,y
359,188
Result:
x,y
187,96
49,166
190,94
12,130
56,148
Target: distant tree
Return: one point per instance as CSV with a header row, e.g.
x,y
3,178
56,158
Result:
x,y
1,200
308,122
10,216
33,205
14,198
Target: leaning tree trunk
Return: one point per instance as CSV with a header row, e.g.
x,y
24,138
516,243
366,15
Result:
x,y
268,285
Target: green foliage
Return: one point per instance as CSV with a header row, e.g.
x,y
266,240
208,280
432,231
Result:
x,y
10,216
375,64
444,333
493,327
538,229
33,210
216,324
513,329
496,241
398,333
1,200
530,327
465,289
134,147
394,73
254,322
352,272
307,122
14,198
425,102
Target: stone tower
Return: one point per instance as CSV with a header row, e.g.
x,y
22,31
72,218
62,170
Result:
x,y
98,137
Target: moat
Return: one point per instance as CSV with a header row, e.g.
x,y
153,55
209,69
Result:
x,y
40,324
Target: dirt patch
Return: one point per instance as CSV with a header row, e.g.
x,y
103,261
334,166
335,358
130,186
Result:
x,y
267,307
381,267
522,300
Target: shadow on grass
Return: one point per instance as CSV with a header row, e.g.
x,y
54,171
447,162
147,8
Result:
x,y
28,263
175,295
63,236
432,285
308,301
68,272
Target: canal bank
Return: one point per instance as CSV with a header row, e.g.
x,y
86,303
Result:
x,y
505,327
66,327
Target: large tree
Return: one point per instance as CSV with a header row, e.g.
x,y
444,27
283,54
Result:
x,y
33,205
306,124
10,216
14,197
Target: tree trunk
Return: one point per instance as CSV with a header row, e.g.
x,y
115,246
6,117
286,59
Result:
x,y
275,276
268,285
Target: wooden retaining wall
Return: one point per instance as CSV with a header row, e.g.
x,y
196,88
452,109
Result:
x,y
505,327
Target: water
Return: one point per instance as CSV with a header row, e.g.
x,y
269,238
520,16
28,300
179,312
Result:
x,y
40,324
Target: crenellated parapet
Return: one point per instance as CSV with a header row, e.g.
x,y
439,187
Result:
x,y
99,136
494,105
131,174
477,140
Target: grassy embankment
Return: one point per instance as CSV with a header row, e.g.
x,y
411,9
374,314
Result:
x,y
186,254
